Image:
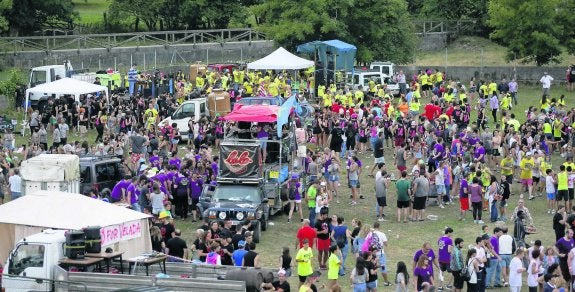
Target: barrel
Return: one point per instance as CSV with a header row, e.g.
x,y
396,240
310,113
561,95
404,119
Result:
x,y
267,274
219,102
252,277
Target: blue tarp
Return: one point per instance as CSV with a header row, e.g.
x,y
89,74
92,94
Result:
x,y
326,50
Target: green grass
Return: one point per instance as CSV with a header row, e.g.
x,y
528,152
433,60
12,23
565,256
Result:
x,y
91,11
474,51
403,238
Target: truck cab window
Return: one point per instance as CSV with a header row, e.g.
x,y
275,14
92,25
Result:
x,y
187,110
38,77
85,175
26,256
102,172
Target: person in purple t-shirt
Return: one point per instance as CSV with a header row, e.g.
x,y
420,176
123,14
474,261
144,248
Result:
x,y
133,193
562,247
119,191
428,252
422,274
444,247
479,153
494,262
196,185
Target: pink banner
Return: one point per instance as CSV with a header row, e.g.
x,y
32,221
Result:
x,y
120,232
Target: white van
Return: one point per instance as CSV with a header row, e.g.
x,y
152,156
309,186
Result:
x,y
195,107
363,77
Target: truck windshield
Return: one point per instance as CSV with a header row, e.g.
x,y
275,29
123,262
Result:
x,y
26,256
37,78
237,194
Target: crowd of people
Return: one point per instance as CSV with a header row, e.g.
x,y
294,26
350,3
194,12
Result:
x,y
458,146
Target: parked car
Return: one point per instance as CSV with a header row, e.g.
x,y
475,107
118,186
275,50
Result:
x,y
99,172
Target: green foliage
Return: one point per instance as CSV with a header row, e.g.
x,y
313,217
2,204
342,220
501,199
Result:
x,y
529,28
15,79
474,11
566,17
5,7
291,22
27,16
141,10
383,30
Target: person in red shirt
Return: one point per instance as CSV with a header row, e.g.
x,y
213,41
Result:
x,y
305,232
431,111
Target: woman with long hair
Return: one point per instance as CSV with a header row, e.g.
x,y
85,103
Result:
x,y
423,274
157,241
473,268
401,277
359,276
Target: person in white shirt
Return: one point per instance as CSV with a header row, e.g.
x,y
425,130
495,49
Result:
x,y
534,269
506,253
516,269
481,258
15,182
550,191
546,83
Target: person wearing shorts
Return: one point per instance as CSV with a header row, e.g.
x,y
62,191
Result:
x,y
463,198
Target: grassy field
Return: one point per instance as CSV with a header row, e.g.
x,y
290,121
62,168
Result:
x,y
91,11
403,238
473,51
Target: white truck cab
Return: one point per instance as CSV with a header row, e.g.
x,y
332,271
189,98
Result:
x,y
363,77
34,256
195,107
387,68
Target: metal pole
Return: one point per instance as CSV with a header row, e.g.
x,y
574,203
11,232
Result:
x,y
481,63
131,62
207,56
155,58
115,63
446,58
241,55
144,61
99,63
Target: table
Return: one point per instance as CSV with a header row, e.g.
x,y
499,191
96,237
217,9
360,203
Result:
x,y
84,263
147,261
108,257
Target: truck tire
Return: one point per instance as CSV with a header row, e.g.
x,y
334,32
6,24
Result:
x,y
258,232
265,219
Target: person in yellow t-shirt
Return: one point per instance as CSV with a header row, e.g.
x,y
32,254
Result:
x,y
484,90
333,266
507,168
562,184
303,260
414,107
358,95
327,101
321,91
526,165
492,88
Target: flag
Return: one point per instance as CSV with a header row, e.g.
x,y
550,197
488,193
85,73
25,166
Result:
x,y
284,112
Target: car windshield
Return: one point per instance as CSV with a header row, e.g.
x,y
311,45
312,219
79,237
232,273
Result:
x,y
236,194
259,101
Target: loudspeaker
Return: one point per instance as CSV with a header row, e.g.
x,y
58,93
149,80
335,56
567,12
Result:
x,y
93,239
75,247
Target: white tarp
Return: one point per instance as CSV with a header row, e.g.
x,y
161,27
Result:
x,y
280,59
51,167
64,86
34,212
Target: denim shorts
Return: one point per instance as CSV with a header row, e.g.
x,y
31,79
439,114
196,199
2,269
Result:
x,y
353,183
382,262
371,285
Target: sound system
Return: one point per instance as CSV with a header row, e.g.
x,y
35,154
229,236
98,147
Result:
x,y
75,246
93,239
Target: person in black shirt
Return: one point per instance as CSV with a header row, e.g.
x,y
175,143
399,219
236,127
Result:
x,y
335,139
157,242
227,249
559,222
323,229
378,152
280,285
177,248
371,264
167,228
251,258
505,191
200,246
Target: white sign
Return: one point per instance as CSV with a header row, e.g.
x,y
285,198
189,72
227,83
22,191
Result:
x,y
120,232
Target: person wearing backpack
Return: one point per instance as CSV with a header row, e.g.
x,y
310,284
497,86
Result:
x,y
341,234
473,270
457,266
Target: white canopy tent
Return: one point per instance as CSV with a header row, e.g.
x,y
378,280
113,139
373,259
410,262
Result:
x,y
280,59
65,86
41,210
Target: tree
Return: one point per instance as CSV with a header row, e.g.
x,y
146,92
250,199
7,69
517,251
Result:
x,y
457,10
383,31
141,10
5,7
292,22
566,17
529,28
27,16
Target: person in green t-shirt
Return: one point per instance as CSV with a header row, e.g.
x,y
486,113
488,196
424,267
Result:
x,y
403,187
334,264
310,197
303,260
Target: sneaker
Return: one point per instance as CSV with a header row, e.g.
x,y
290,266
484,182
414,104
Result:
x,y
474,221
289,220
386,284
448,287
440,288
480,222
531,197
548,211
442,207
497,286
505,284
301,220
380,219
552,211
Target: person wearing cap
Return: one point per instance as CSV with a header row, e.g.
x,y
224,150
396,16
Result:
x,y
545,81
281,285
239,253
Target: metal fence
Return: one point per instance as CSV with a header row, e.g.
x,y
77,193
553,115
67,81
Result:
x,y
22,283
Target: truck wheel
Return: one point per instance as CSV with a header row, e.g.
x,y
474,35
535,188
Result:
x,y
264,224
258,232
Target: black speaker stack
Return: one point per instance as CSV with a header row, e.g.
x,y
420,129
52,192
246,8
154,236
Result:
x,y
75,247
93,239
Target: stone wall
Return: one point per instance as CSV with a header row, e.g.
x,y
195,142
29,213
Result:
x,y
146,57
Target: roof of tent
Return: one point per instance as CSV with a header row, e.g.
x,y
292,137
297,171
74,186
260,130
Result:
x,y
280,59
66,86
326,50
254,113
60,210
